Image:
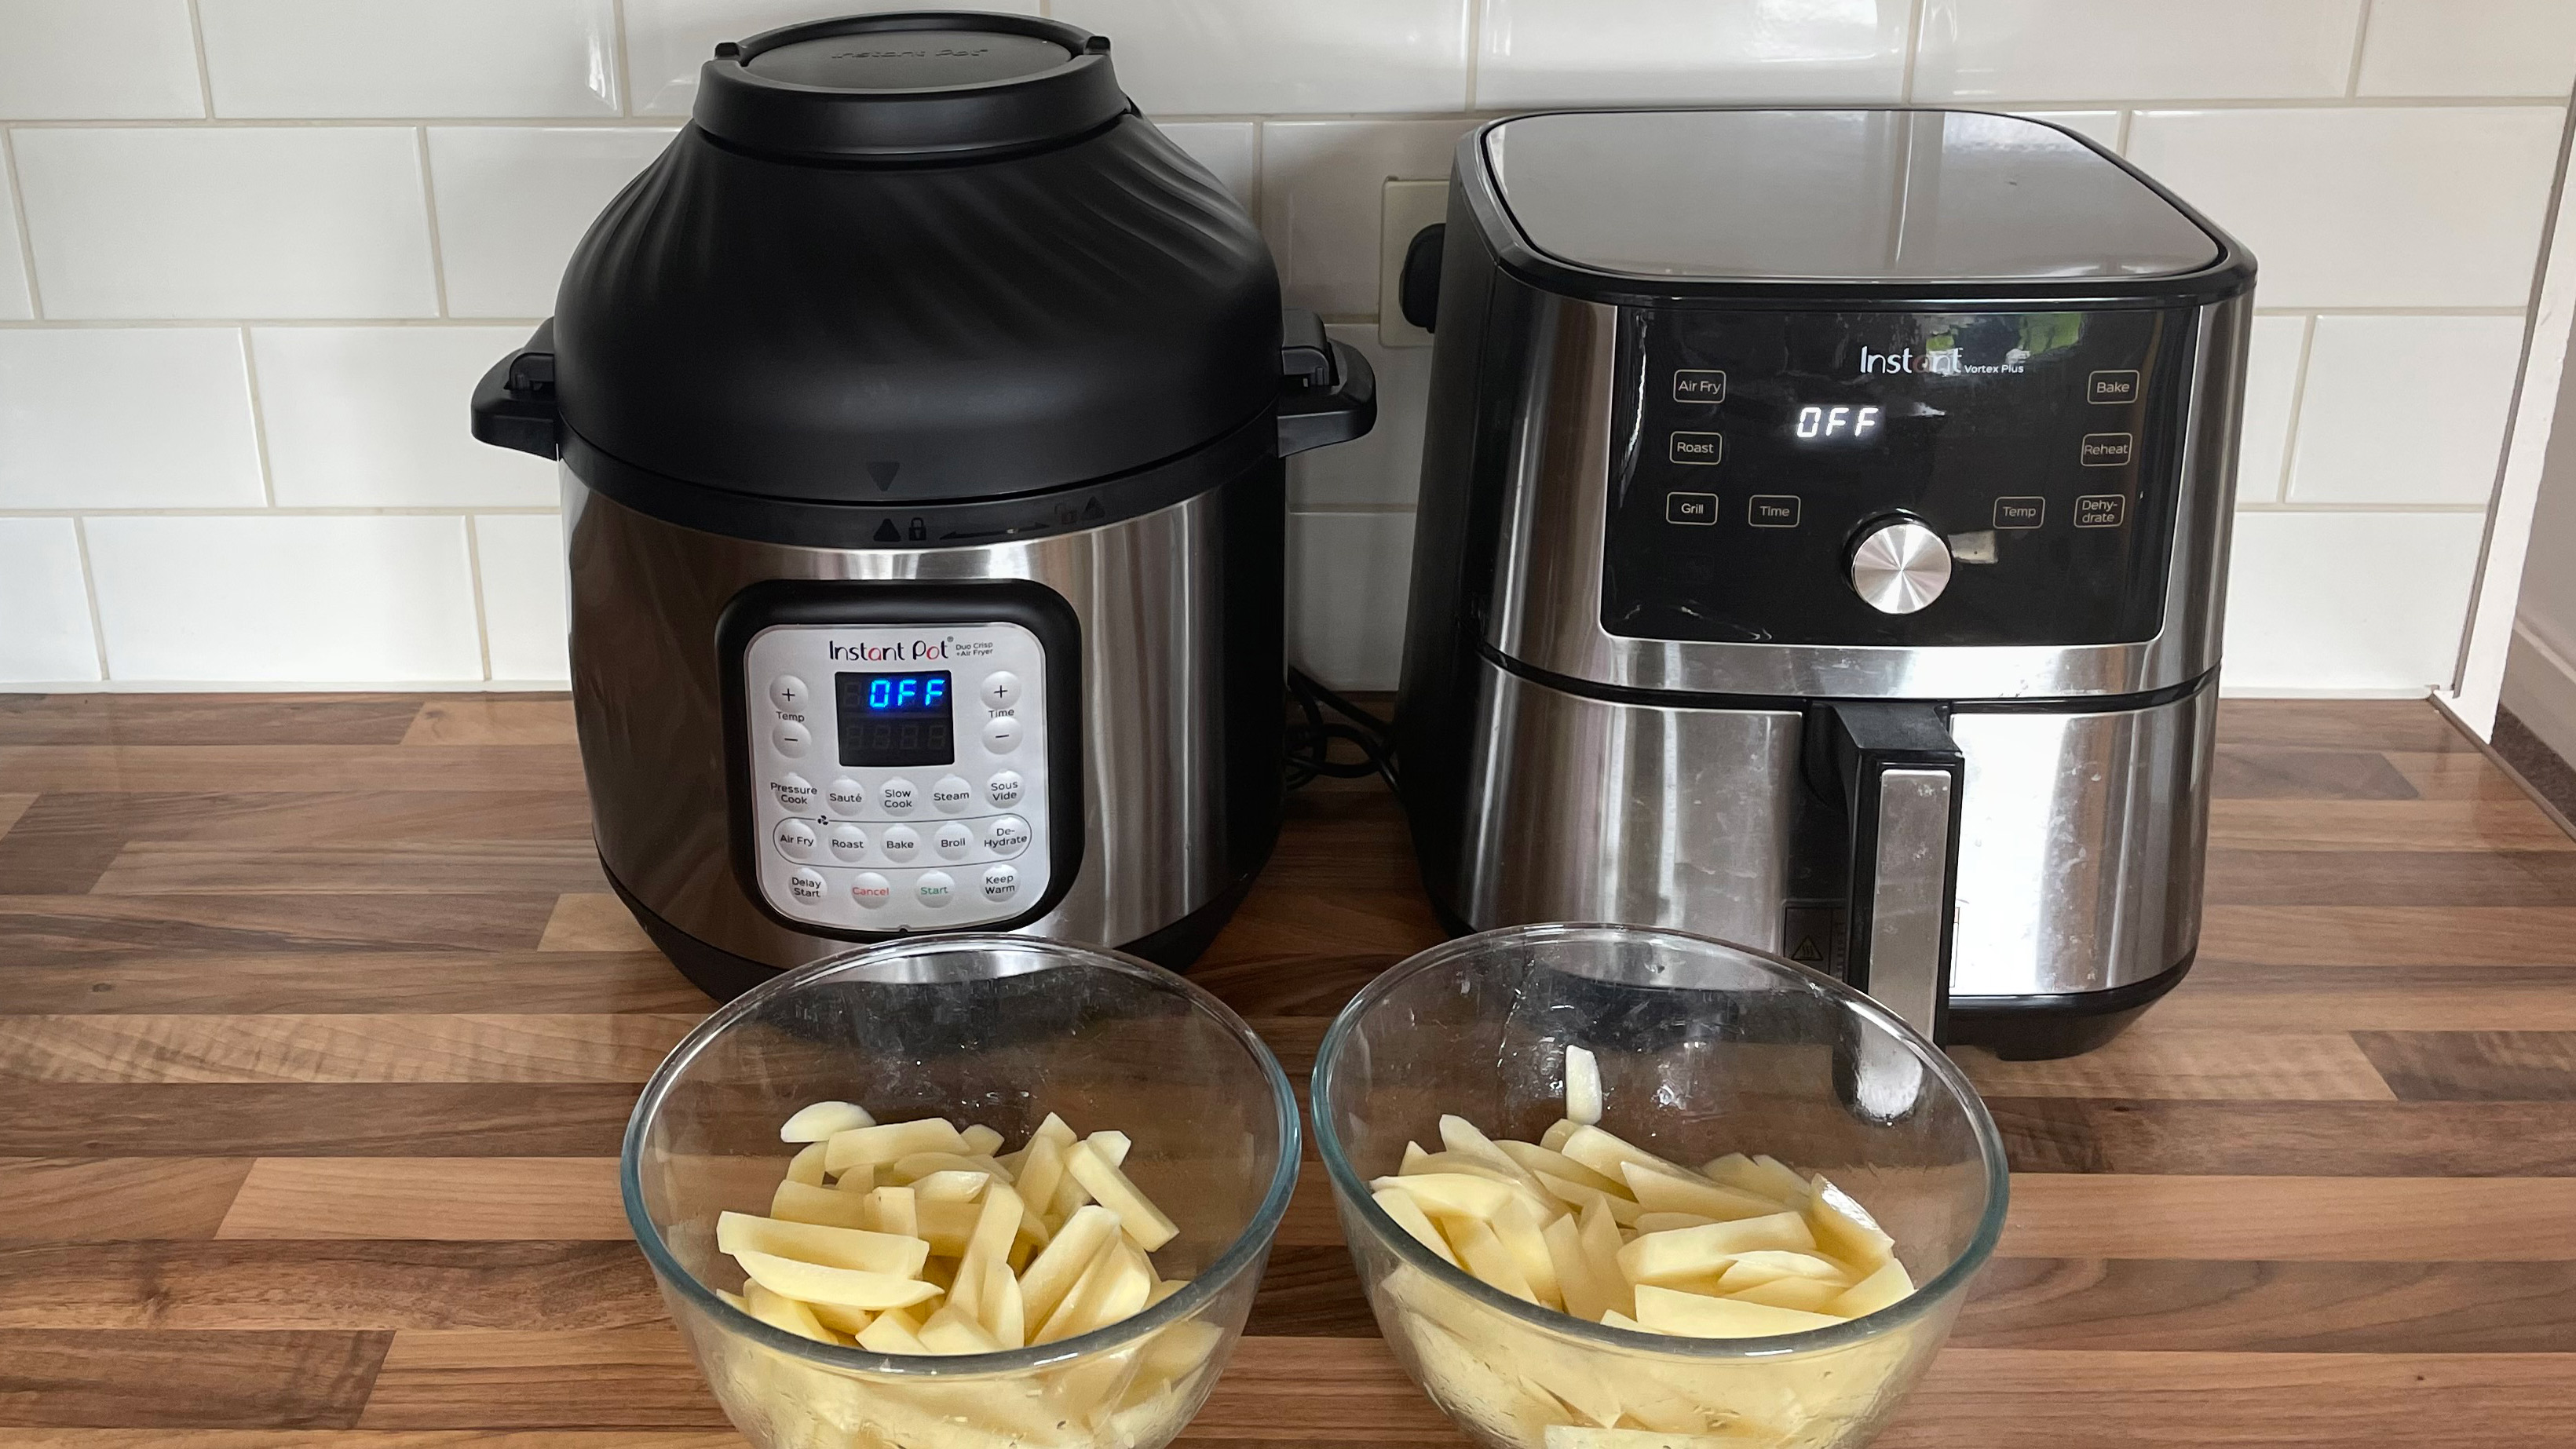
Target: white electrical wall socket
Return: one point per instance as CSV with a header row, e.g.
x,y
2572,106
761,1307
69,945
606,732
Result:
x,y
1408,208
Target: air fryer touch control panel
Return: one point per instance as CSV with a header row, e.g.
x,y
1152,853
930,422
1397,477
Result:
x,y
900,773
1755,450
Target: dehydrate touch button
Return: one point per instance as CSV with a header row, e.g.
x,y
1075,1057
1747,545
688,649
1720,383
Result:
x,y
1006,836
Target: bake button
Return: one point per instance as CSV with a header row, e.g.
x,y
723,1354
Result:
x,y
1003,789
1772,510
2108,450
1001,882
846,796
1006,836
2101,510
795,839
899,842
1001,690
1697,448
1690,508
2111,387
951,794
793,791
790,738
895,797
788,692
848,842
2020,512
1699,385
806,886
953,840
870,889
1002,733
935,889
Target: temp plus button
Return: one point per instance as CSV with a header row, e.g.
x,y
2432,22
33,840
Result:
x,y
1690,508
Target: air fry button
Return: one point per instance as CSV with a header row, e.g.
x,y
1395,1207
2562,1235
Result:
x,y
1697,448
1699,385
2108,450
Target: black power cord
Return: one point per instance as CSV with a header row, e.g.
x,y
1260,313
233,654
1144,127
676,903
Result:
x,y
1310,743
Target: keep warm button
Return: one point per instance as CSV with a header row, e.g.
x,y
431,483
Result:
x,y
2106,510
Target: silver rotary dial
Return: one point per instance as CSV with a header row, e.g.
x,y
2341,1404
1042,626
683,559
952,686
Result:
x,y
1899,567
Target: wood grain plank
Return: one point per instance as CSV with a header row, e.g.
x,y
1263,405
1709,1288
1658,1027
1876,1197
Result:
x,y
315,982
252,1119
390,866
69,1199
2453,776
2258,772
2383,825
2154,1060
619,1377
198,720
462,1198
298,768
592,921
2272,1307
351,1048
275,1285
2366,1219
2290,1139
2475,1066
41,927
2342,724
375,1439
13,806
2228,996
470,720
71,836
2388,935
2392,877
1311,1291
189,1380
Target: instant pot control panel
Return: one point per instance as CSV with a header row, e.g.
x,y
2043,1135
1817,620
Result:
x,y
1894,478
900,771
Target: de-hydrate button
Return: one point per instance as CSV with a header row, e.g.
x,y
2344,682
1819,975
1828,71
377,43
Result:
x,y
935,889
1007,836
870,889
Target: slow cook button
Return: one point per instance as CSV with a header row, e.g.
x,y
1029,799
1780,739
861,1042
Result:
x,y
1006,836
895,797
795,839
951,795
953,840
1002,734
806,886
846,796
935,889
899,843
1003,789
870,889
847,841
793,791
1001,882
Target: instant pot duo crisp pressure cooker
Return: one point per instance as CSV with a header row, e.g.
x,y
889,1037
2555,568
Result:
x,y
1822,546
921,412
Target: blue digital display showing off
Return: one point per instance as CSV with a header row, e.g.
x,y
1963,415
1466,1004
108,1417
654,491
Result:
x,y
896,719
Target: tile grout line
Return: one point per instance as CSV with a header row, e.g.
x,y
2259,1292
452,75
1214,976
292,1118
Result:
x,y
258,419
1913,49
205,73
429,215
2360,47
474,580
622,74
89,587
18,218
1476,47
2298,405
456,510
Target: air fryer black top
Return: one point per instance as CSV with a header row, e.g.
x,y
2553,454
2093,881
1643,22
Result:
x,y
914,258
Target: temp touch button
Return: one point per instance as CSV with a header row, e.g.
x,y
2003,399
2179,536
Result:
x,y
2106,510
2020,512
2108,450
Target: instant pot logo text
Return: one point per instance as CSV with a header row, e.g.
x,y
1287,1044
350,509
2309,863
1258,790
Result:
x,y
909,651
1906,359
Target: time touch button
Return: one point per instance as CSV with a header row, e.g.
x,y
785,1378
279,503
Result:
x,y
2101,510
2111,388
1772,510
1699,385
2020,512
1698,449
1696,508
2108,450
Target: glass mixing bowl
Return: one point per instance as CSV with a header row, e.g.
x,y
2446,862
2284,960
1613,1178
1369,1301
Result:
x,y
1704,1049
984,1028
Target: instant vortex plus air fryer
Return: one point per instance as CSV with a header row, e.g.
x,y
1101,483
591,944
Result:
x,y
1822,545
921,412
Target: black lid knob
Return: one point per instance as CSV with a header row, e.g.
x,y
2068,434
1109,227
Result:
x,y
910,85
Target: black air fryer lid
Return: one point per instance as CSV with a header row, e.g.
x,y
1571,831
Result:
x,y
911,260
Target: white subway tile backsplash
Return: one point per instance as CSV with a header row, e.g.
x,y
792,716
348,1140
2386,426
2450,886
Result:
x,y
2478,48
1349,579
1231,149
1322,186
79,60
1581,52
295,221
2100,127
513,201
283,599
405,58
1985,50
2271,401
2421,206
16,302
2405,409
1190,58
521,559
2348,601
374,417
44,604
667,40
126,417
1383,469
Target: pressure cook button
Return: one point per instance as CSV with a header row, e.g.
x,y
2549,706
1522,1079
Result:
x,y
2108,450
805,886
788,692
2020,512
2101,510
1690,508
793,791
1006,836
1699,385
1772,510
935,889
2111,387
953,840
1002,733
1001,882
899,843
846,796
1001,690
790,738
870,889
1003,789
895,797
848,842
951,795
795,839
1701,449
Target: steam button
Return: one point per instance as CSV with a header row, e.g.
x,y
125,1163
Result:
x,y
951,794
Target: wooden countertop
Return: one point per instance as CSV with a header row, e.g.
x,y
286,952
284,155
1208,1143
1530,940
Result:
x,y
320,1029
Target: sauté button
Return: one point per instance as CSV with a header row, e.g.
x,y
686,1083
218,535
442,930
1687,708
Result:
x,y
848,842
1002,733
870,889
935,889
805,886
846,796
788,692
793,791
795,839
1772,510
790,738
899,842
2111,387
1699,385
953,840
951,794
2107,450
1001,690
895,797
1690,508
2101,510
1701,449
2020,512
1007,836
1001,882
1003,789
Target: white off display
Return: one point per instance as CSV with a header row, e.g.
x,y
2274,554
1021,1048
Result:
x,y
899,773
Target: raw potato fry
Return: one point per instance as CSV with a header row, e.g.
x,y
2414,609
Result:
x,y
1041,1169
1600,1234
1137,1215
914,1166
1845,1228
1607,1155
891,1142
786,1313
953,1186
1115,1287
980,1140
1451,1194
893,1331
1808,1295
795,1202
952,1330
818,1121
1584,1297
1582,1087
1483,1254
858,1177
1664,1192
1523,1236
1053,1273
894,1210
1004,1312
1622,1209
1536,1160
806,1167
1553,1139
1112,1147
849,1287
849,1321
1888,1286
1686,1253
1662,1310
1409,1216
827,1246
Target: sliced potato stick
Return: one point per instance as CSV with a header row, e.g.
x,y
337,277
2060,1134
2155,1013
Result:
x,y
1888,1286
1622,1209
1451,1194
1053,1272
891,1142
1664,1192
996,1224
1041,1169
1112,1146
818,1121
807,1165
830,1247
1605,1154
779,1311
850,1322
1583,1296
1137,1215
1699,1252
1408,1215
894,1210
796,1202
1523,1235
815,1283
1483,1254
1845,1228
1582,1087
1115,1286
1662,1310
1535,1160
893,1331
1553,1139
955,1185
1054,1129
953,1330
857,1177
1004,1314
1665,1222
1807,1295
1601,1245
980,1140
